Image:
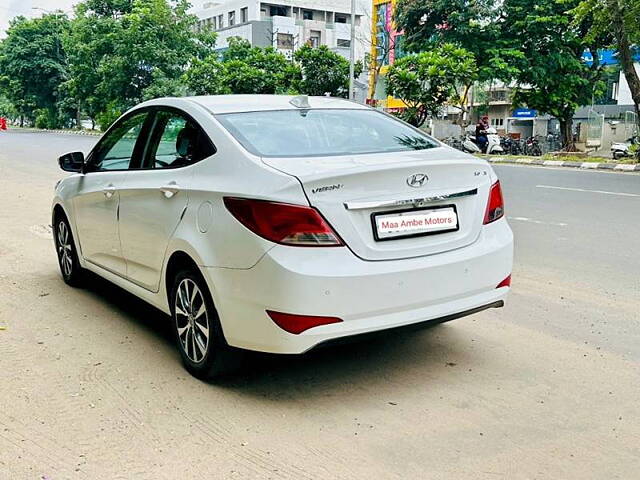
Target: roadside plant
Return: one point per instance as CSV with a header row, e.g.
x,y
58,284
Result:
x,y
428,81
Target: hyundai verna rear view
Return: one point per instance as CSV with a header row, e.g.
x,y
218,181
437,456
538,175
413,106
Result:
x,y
278,223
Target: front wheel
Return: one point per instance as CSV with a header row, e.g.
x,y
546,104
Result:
x,y
198,334
70,268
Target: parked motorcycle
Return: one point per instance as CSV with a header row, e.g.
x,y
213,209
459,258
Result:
x,y
470,143
620,150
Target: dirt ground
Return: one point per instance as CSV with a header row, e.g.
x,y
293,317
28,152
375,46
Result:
x,y
92,387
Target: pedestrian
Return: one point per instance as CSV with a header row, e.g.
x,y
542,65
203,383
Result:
x,y
481,133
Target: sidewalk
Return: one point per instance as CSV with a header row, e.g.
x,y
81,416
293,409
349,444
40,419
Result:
x,y
624,167
94,133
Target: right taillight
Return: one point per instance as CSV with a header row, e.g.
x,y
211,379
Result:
x,y
283,223
495,205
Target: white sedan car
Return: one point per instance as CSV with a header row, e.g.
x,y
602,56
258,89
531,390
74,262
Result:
x,y
279,223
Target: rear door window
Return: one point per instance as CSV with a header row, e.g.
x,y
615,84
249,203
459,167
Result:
x,y
176,141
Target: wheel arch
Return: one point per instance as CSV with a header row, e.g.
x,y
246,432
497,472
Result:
x,y
58,209
177,261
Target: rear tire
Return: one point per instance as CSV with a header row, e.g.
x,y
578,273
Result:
x,y
197,330
72,272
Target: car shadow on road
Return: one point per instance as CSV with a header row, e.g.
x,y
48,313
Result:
x,y
386,359
429,351
130,307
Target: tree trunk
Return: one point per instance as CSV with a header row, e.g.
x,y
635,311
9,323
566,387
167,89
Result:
x,y
566,130
624,54
79,117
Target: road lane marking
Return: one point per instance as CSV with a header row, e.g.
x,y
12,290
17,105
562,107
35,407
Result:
x,y
538,222
604,192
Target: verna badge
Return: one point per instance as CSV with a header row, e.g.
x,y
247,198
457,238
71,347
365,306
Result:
x,y
417,180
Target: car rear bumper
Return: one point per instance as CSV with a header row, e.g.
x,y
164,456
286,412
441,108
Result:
x,y
368,296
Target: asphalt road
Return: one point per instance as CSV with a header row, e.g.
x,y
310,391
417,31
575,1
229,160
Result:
x,y
546,388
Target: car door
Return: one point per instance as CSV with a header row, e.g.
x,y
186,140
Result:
x,y
97,201
156,193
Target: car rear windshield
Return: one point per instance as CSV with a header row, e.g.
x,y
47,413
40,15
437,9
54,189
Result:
x,y
322,132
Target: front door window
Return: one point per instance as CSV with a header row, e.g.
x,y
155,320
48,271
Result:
x,y
118,147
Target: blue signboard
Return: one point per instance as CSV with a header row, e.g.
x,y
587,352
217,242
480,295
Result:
x,y
524,113
606,57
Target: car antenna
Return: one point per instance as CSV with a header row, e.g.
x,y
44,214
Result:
x,y
300,101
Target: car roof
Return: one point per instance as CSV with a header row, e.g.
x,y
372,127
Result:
x,y
253,103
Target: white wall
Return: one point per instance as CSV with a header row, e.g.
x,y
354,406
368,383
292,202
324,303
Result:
x,y
624,94
330,32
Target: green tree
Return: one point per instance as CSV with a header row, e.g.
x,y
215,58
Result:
x,y
323,71
429,80
618,23
33,65
553,76
243,69
126,51
473,25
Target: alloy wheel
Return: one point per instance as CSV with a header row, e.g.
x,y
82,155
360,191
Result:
x,y
192,320
65,252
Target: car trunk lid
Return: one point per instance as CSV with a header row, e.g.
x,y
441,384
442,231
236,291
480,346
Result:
x,y
350,191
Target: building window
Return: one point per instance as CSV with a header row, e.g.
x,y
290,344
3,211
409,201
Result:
x,y
307,15
398,47
314,38
342,42
232,18
498,96
341,18
244,14
285,41
277,11
383,40
497,122
220,21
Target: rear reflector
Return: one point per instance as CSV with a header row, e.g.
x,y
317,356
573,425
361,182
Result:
x,y
299,323
505,283
495,205
284,223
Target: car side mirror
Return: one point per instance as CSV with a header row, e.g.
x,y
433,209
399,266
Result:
x,y
72,162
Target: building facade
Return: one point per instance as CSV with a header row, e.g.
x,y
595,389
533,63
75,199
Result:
x,y
386,47
286,24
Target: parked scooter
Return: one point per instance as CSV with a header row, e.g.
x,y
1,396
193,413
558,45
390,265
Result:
x,y
620,150
469,144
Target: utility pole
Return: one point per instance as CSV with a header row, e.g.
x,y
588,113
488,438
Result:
x,y
352,53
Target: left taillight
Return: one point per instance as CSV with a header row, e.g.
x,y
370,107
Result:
x,y
495,204
283,223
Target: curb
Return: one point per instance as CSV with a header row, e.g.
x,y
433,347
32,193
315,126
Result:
x,y
620,167
64,132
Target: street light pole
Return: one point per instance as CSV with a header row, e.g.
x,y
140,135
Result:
x,y
352,54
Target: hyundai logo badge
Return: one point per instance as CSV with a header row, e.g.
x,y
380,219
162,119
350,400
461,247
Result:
x,y
417,180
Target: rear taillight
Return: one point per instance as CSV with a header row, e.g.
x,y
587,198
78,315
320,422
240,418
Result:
x,y
495,205
283,223
299,323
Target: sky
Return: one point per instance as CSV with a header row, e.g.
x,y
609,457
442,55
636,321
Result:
x,y
13,8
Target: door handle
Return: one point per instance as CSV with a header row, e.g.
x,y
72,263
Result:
x,y
109,190
170,189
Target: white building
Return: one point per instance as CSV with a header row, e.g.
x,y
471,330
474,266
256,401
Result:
x,y
288,24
